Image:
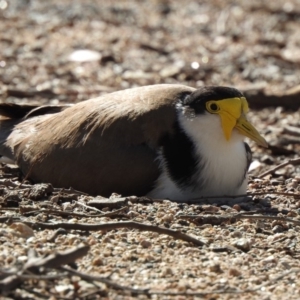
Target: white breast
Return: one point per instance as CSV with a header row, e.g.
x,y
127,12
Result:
x,y
222,166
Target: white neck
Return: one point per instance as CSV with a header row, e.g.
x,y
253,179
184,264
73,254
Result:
x,y
222,166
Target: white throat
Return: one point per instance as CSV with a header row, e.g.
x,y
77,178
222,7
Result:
x,y
222,166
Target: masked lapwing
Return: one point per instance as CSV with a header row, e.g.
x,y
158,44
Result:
x,y
164,141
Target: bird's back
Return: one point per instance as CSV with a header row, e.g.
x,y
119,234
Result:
x,y
103,145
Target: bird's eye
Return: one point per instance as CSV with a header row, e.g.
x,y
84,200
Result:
x,y
213,107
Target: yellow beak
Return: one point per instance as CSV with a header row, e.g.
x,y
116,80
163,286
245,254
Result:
x,y
232,112
245,128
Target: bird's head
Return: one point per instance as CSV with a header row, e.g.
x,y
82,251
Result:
x,y
231,106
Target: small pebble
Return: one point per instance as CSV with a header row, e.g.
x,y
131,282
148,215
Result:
x,y
269,259
234,272
236,234
146,244
277,229
269,160
216,268
243,244
98,262
236,207
22,230
276,182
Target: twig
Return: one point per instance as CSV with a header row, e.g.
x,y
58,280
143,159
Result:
x,y
42,277
88,207
8,218
292,130
47,93
97,292
285,219
9,208
114,213
69,191
111,226
21,185
56,234
73,214
9,183
214,199
54,260
9,283
219,219
293,162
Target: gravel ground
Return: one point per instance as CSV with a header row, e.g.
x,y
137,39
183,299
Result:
x,y
63,244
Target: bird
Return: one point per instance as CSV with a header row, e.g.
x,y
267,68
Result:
x,y
165,141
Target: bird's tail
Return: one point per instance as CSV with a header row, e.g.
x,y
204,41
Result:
x,y
6,128
12,114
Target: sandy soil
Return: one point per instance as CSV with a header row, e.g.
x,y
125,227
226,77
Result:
x,y
62,244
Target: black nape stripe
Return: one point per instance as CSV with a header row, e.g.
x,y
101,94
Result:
x,y
248,162
248,157
179,154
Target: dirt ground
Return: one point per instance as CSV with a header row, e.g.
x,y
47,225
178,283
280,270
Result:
x,y
63,244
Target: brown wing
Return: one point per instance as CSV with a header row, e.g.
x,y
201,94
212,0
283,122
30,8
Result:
x,y
103,145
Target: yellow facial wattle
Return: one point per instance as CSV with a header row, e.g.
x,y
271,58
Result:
x,y
232,112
